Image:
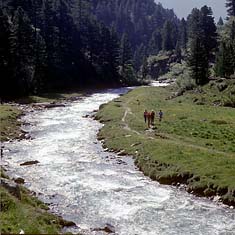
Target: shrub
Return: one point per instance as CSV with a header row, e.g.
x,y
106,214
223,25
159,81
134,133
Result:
x,y
185,83
222,86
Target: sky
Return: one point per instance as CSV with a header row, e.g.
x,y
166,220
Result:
x,y
182,8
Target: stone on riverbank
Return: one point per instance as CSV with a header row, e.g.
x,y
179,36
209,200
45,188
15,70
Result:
x,y
19,180
107,229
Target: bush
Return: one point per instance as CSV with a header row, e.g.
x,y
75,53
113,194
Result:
x,y
185,83
229,101
222,86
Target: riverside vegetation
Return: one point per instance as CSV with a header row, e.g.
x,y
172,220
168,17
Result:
x,y
194,145
25,212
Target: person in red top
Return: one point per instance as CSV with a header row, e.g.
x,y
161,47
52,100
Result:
x,y
149,119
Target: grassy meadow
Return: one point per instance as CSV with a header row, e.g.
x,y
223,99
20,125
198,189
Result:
x,y
9,126
27,214
194,144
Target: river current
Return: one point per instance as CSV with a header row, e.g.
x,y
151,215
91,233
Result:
x,y
92,187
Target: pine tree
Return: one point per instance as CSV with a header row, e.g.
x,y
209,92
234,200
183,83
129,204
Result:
x,y
225,57
220,22
197,61
108,57
113,48
209,35
126,65
144,68
125,51
178,52
232,35
167,36
65,35
202,42
230,4
22,51
5,56
183,34
50,33
155,44
224,63
39,47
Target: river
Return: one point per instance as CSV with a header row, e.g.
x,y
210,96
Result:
x,y
85,184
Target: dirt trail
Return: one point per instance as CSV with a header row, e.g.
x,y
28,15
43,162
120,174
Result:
x,y
126,126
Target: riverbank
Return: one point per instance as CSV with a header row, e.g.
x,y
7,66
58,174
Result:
x,y
194,145
21,211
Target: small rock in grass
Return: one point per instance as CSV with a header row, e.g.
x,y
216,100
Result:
x,y
135,144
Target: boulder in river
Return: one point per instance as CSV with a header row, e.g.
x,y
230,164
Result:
x,y
66,223
48,105
107,229
54,105
29,163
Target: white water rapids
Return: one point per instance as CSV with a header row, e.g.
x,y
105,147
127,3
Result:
x,y
89,186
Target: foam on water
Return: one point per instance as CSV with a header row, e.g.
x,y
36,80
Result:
x,y
85,184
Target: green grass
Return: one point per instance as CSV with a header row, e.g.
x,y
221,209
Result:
x,y
195,144
222,93
9,126
49,97
28,214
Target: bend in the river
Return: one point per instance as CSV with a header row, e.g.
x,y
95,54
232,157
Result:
x,y
91,187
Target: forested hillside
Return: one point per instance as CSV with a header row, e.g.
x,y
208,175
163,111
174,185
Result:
x,y
57,44
150,27
54,44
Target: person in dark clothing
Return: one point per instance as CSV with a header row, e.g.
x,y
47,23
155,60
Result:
x,y
160,114
149,119
152,117
145,115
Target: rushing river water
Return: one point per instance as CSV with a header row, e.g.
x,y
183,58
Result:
x,y
89,186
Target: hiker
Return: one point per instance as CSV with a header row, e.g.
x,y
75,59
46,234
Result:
x,y
160,114
152,117
149,119
145,115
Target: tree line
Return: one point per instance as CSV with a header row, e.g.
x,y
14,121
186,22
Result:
x,y
225,57
211,46
53,44
150,27
56,44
